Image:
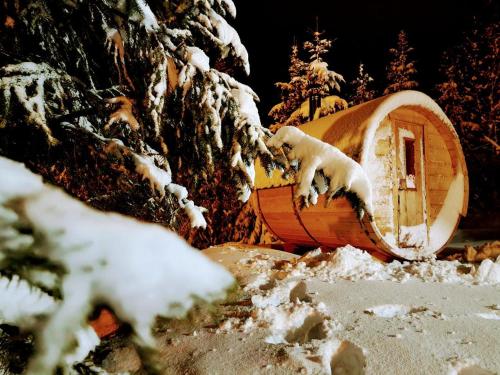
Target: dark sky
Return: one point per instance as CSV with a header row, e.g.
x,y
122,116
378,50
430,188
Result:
x,y
361,30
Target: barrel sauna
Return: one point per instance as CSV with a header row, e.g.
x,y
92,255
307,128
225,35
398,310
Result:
x,y
413,158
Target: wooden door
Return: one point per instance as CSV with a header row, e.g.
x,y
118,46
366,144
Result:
x,y
413,230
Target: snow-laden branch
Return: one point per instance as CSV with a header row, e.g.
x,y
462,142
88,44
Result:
x,y
219,91
159,177
140,270
29,82
322,168
19,79
323,77
20,302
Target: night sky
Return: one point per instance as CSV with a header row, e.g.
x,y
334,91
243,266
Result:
x,y
361,30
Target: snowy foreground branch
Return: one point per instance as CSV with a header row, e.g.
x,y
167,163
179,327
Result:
x,y
323,169
140,270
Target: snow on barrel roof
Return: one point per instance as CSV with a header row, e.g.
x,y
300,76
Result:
x,y
354,128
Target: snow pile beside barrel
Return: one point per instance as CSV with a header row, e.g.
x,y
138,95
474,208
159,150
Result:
x,y
350,263
314,156
149,264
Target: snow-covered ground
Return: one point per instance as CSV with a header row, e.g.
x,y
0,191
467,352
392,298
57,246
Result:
x,y
339,313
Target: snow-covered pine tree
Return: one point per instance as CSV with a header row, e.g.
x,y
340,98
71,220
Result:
x,y
401,70
293,92
309,93
470,96
321,84
362,87
59,258
117,100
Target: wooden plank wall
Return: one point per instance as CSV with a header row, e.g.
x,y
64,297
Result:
x,y
335,225
331,226
440,171
279,214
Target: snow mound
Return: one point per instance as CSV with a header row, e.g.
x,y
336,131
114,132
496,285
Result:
x,y
108,258
289,292
388,311
489,272
431,270
293,318
488,316
293,323
467,367
342,357
350,263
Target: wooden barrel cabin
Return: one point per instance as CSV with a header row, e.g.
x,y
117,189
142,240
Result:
x,y
413,158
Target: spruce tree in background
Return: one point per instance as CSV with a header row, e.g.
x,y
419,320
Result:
x,y
322,83
293,92
320,80
470,96
401,71
309,93
362,87
117,101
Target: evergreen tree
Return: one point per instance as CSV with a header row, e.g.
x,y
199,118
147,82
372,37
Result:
x,y
401,71
117,100
309,93
362,87
293,92
322,83
320,80
469,95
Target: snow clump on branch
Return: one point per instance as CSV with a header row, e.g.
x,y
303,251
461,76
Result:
x,y
100,264
322,168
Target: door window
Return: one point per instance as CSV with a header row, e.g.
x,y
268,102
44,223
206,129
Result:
x,y
409,145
